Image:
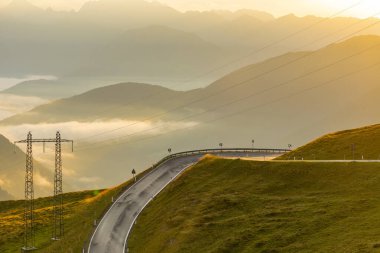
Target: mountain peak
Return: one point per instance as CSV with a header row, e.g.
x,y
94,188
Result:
x,y
259,15
122,5
21,6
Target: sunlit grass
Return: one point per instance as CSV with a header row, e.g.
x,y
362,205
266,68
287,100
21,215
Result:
x,y
246,206
80,211
338,146
77,211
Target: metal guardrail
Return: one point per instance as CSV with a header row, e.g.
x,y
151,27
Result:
x,y
220,150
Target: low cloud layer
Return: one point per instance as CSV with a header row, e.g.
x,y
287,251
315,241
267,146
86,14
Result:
x,y
12,104
98,130
76,167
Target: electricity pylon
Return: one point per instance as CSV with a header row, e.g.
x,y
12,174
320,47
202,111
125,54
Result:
x,y
58,228
29,236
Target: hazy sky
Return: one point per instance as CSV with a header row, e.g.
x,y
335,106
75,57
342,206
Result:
x,y
276,7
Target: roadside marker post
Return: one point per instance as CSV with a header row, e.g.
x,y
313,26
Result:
x,y
134,174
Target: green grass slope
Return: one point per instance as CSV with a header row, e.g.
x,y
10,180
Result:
x,y
244,206
80,211
339,146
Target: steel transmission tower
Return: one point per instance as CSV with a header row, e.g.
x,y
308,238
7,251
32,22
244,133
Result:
x,y
29,236
58,228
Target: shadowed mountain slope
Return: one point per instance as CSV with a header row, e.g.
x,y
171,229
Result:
x,y
132,99
12,172
343,75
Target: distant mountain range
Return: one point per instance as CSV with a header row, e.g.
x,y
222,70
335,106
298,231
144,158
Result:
x,y
148,42
266,81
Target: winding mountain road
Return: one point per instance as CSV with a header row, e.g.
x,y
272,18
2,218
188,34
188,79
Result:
x,y
113,230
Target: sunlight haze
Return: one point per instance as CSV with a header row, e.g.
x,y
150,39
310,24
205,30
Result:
x,y
229,125
365,8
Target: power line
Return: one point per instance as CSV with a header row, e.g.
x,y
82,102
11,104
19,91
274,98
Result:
x,y
6,162
237,84
250,108
283,39
254,52
346,28
258,93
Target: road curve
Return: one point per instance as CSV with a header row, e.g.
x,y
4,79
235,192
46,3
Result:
x,y
111,234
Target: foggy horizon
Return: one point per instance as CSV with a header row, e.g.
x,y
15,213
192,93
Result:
x,y
277,8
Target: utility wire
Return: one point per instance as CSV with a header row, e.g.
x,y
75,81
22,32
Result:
x,y
282,39
247,109
256,51
260,92
229,87
251,53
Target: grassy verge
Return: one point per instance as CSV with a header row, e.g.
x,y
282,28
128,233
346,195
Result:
x,y
244,206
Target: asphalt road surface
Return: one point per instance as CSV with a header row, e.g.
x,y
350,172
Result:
x,y
113,230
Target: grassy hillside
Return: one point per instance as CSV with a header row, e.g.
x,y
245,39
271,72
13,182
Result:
x,y
80,211
339,145
242,206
